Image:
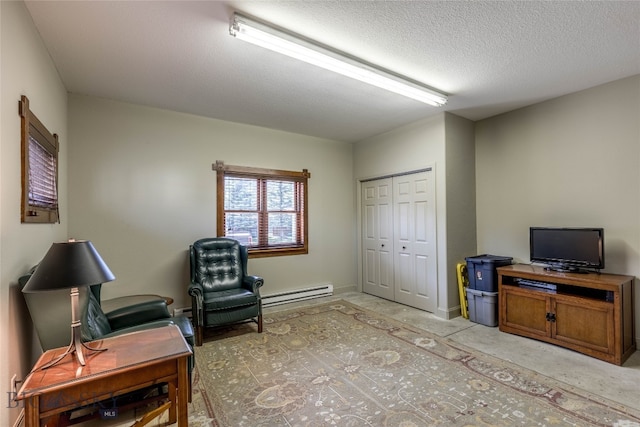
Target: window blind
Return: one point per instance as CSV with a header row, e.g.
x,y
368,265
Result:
x,y
43,190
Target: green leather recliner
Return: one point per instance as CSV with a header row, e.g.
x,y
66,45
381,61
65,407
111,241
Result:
x,y
221,290
96,324
51,316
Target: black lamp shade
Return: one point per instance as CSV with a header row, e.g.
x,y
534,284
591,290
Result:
x,y
69,265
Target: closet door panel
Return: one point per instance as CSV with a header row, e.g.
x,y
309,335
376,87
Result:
x,y
422,276
413,197
377,238
404,267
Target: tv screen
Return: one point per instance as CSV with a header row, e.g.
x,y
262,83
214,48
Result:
x,y
567,249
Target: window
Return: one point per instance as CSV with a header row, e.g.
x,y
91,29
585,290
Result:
x,y
264,209
39,169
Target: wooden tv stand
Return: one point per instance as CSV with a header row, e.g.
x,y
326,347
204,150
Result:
x,y
591,313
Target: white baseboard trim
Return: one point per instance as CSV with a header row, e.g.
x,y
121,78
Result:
x,y
344,289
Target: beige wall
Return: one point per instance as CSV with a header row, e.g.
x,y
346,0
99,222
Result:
x,y
142,189
461,198
26,69
418,145
139,184
571,161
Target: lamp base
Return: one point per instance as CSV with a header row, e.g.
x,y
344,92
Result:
x,y
76,346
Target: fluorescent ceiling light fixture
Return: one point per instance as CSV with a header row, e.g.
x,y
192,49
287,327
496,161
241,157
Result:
x,y
287,44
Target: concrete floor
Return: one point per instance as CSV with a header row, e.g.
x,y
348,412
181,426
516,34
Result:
x,y
618,383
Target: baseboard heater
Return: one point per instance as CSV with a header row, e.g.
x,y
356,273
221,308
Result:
x,y
279,298
297,295
185,311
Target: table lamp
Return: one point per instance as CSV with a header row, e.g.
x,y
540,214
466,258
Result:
x,y
69,265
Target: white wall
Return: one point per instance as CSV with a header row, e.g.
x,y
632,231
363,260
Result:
x,y
571,161
26,69
142,189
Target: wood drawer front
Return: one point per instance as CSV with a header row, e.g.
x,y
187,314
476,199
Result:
x,y
588,324
526,312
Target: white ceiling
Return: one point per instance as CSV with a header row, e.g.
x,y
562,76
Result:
x,y
491,57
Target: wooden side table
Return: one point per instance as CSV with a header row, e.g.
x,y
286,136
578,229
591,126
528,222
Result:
x,y
131,362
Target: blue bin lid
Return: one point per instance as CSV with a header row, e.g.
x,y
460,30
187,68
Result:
x,y
486,258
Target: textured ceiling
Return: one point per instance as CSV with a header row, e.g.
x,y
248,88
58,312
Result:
x,y
491,57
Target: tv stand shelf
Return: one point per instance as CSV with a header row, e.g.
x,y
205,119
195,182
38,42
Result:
x,y
591,313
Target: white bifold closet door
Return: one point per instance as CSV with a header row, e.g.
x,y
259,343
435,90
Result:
x,y
398,239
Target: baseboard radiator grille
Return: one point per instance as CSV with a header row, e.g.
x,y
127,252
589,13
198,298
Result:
x,y
279,298
297,295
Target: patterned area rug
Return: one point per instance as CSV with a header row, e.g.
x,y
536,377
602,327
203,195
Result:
x,y
340,365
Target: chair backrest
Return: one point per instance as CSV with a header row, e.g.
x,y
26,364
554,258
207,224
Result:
x,y
218,263
96,291
94,322
51,313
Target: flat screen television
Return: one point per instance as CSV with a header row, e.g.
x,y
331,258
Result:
x,y
567,249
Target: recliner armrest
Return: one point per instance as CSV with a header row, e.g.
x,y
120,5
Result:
x,y
141,327
195,289
253,283
136,314
197,297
